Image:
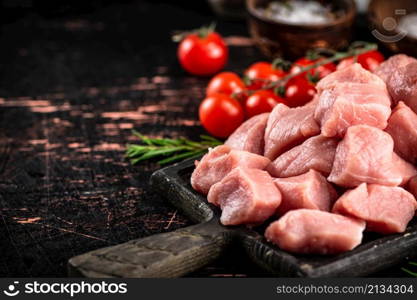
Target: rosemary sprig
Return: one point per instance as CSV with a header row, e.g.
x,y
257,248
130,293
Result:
x,y
171,150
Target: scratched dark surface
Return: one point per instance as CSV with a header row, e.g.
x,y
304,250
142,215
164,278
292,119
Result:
x,y
73,83
72,88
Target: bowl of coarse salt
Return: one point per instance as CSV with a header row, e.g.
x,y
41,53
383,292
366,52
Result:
x,y
394,24
289,28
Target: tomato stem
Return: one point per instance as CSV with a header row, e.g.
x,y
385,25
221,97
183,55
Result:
x,y
202,32
281,64
354,50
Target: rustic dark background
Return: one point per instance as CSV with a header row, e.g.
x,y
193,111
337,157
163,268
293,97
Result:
x,y
74,80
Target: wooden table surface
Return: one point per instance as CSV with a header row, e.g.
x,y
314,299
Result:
x,y
72,87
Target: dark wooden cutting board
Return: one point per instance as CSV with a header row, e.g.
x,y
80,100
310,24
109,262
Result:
x,y
179,252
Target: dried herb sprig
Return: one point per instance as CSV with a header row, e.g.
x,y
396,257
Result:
x,y
172,149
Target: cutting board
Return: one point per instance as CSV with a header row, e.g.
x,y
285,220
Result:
x,y
177,253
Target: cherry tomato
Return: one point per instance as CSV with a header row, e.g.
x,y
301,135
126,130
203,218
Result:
x,y
203,55
225,83
221,115
299,91
369,60
260,102
260,72
319,72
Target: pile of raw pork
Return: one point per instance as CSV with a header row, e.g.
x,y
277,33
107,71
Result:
x,y
328,170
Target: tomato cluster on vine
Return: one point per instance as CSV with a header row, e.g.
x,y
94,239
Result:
x,y
231,99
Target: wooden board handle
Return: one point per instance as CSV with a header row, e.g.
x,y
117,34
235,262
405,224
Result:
x,y
164,255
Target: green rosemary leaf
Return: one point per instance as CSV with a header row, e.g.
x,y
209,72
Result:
x,y
409,272
210,138
156,152
209,144
143,138
135,151
181,156
192,144
162,142
153,153
177,142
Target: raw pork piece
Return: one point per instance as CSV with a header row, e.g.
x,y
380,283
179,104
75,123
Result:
x,y
315,153
385,209
288,127
385,69
402,85
366,155
347,62
412,186
314,231
402,126
404,168
246,196
350,104
352,96
310,190
216,164
354,74
250,135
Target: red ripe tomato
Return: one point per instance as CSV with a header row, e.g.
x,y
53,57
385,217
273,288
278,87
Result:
x,y
221,115
225,83
260,72
369,60
319,72
261,102
299,91
203,55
